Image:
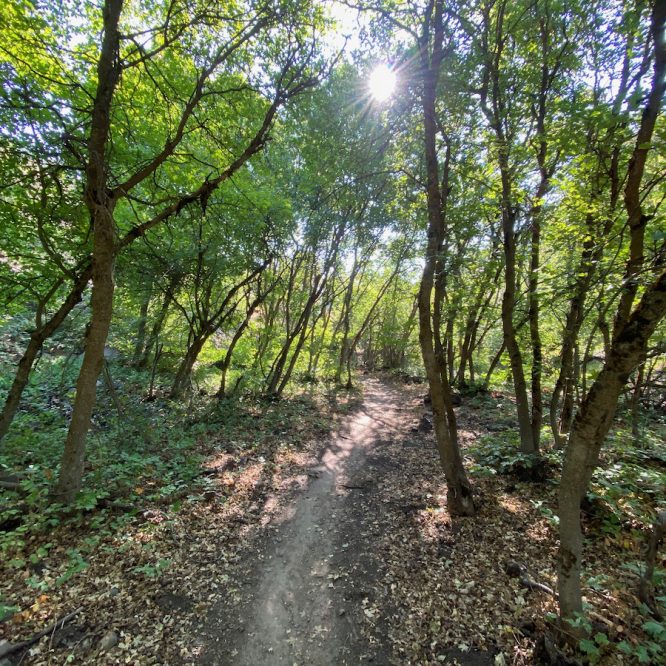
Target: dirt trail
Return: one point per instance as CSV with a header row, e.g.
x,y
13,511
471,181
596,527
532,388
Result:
x,y
311,581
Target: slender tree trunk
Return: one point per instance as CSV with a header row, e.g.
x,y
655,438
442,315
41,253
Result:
x,y
275,382
444,358
206,320
480,305
101,205
636,404
463,362
527,443
351,347
409,327
226,362
141,329
37,339
292,361
183,380
493,363
534,309
459,492
277,371
156,328
450,350
537,361
509,212
627,350
562,388
71,465
589,430
320,344
344,320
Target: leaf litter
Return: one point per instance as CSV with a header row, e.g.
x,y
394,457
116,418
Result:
x,y
428,588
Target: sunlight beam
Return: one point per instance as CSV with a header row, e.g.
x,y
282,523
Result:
x,y
382,83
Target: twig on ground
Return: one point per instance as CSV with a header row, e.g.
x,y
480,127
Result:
x,y
10,649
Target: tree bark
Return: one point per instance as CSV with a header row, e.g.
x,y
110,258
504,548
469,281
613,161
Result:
x,y
100,206
590,427
182,380
496,115
156,328
636,396
459,492
628,349
37,339
351,346
344,320
226,362
140,341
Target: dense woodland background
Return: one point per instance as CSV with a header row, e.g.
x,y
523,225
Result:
x,y
203,208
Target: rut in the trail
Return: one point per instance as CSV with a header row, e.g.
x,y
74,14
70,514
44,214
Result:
x,y
314,576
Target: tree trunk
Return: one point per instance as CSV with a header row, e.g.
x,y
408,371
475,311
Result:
x,y
100,205
409,326
636,404
631,333
37,339
71,466
314,370
141,329
276,375
182,381
226,362
344,320
527,443
589,430
351,346
459,492
156,328
294,357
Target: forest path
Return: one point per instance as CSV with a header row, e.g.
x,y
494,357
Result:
x,y
309,579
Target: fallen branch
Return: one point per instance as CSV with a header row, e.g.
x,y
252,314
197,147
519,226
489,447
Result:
x,y
600,618
12,481
519,571
10,649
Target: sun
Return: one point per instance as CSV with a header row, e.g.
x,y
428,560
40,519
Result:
x,y
382,82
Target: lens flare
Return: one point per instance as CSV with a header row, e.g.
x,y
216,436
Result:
x,y
382,82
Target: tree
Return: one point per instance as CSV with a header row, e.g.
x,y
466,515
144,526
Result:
x,y
631,333
118,176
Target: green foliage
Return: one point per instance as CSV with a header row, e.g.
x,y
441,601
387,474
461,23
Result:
x,y
7,611
333,210
651,651
142,453
629,480
594,648
499,453
153,571
76,565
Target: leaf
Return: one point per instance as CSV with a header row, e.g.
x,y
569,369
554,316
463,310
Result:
x,y
654,628
589,647
642,654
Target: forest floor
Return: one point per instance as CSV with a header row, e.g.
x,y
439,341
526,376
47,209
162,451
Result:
x,y
327,541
